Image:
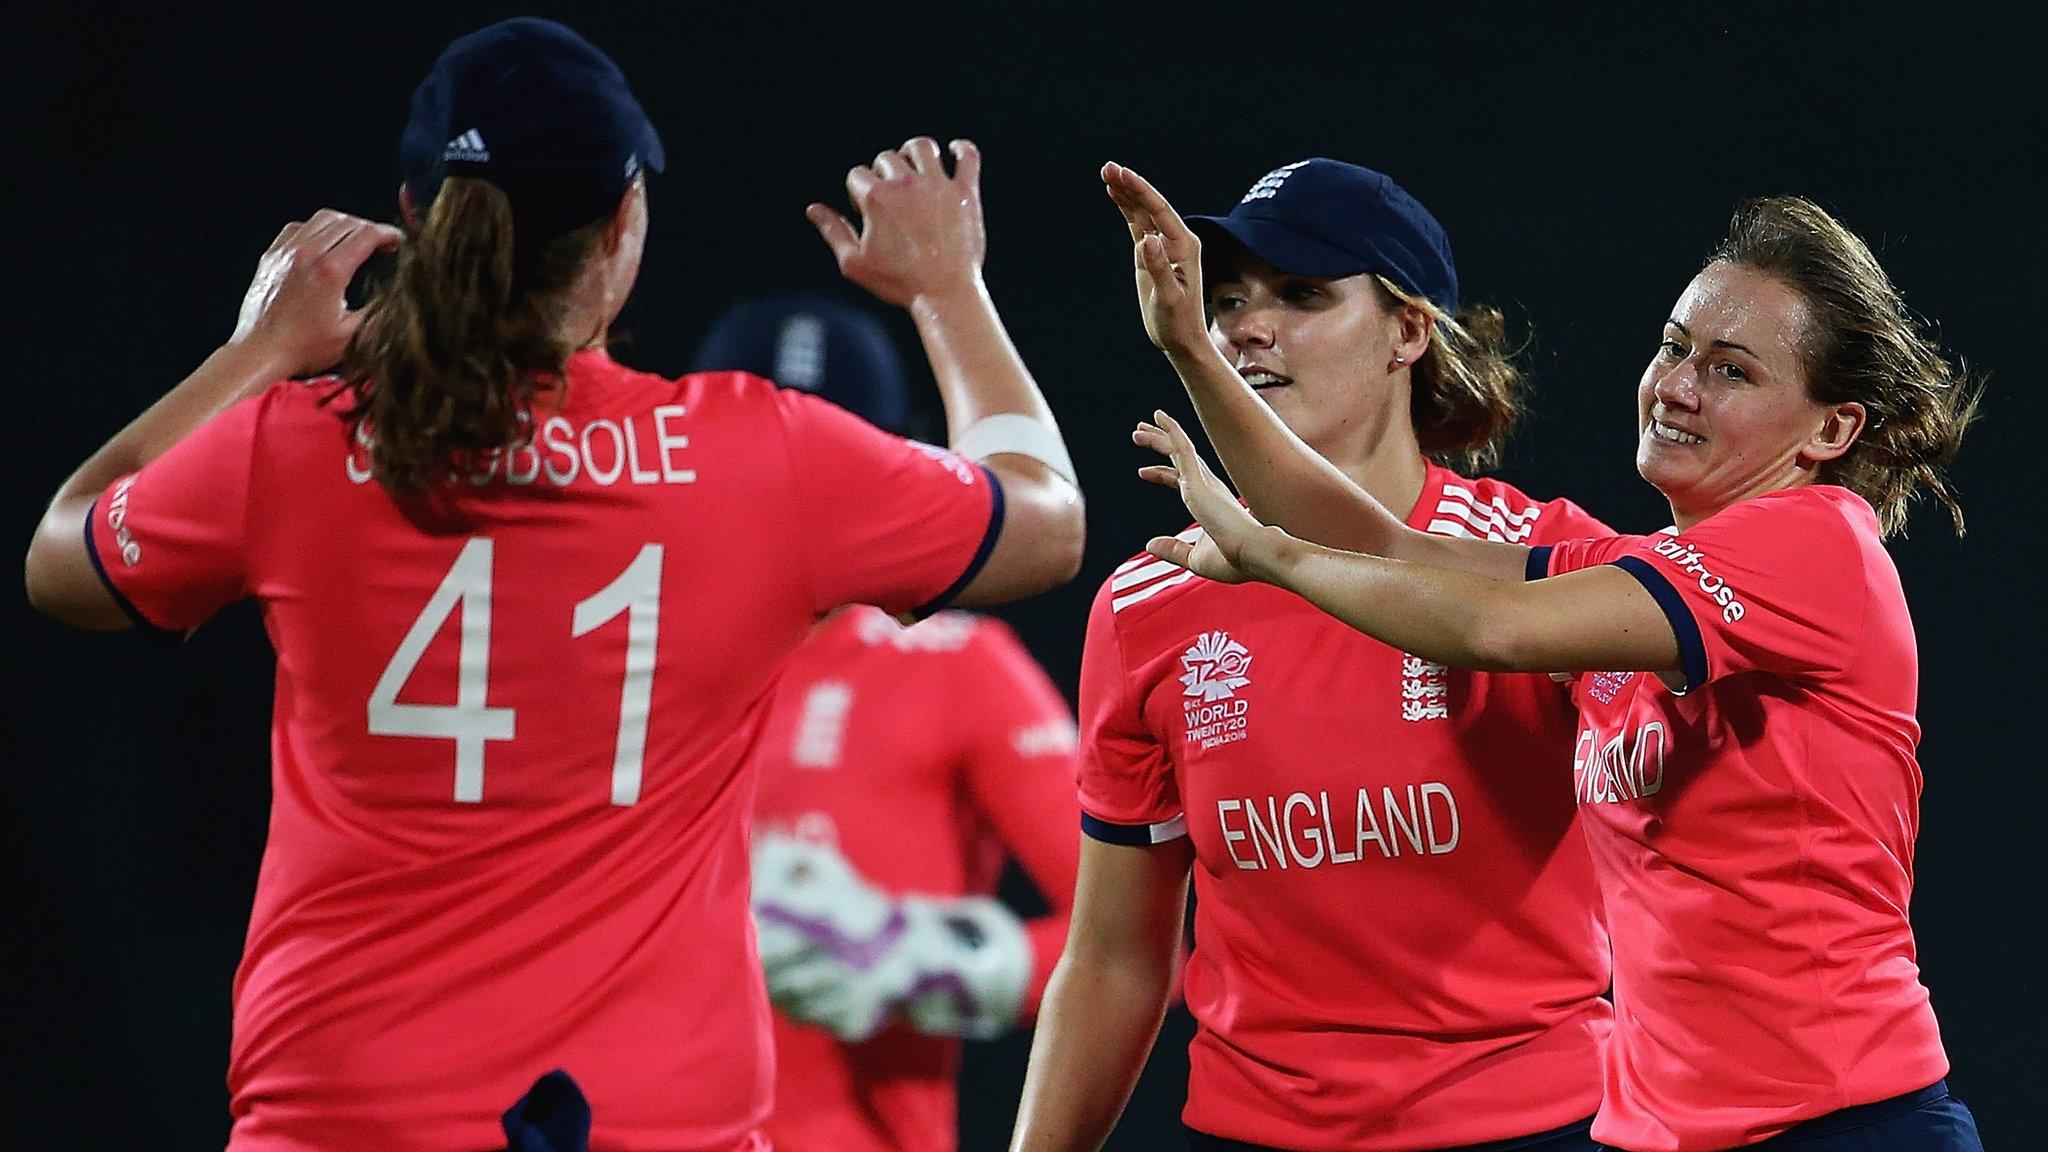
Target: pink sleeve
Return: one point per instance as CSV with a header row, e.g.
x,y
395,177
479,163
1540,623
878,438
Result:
x,y
1565,520
1773,584
171,540
1128,791
1570,555
885,521
1020,773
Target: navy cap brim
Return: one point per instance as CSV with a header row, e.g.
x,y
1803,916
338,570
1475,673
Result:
x,y
1291,251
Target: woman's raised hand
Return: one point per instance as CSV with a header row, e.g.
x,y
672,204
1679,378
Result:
x,y
295,312
1168,258
921,230
1230,533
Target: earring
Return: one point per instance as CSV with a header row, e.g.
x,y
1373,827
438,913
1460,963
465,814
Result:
x,y
1400,359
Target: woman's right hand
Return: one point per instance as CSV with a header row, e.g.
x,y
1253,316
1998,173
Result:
x,y
295,314
1168,259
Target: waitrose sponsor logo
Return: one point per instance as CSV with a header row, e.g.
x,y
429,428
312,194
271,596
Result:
x,y
1688,560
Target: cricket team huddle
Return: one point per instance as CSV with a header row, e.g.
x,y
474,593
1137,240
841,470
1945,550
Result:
x,y
618,805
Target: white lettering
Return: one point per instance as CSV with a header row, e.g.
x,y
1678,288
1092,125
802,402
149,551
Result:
x,y
1690,562
359,472
1268,833
560,438
640,475
1366,820
514,473
1433,789
1337,855
1231,835
1312,834
1411,826
1300,831
563,452
606,478
1624,766
666,442
117,519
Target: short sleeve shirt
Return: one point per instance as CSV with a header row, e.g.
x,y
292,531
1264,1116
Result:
x,y
508,830
1397,937
1754,834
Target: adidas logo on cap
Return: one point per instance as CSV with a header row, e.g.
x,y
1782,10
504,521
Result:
x,y
467,147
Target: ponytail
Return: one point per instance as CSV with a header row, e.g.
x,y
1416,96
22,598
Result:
x,y
1466,393
455,344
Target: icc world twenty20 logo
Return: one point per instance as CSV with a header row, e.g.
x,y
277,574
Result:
x,y
1216,667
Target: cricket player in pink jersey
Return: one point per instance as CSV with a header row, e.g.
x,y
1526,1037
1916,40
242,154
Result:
x,y
1746,680
898,769
1397,938
528,604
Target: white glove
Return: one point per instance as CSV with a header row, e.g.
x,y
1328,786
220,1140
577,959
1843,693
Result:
x,y
839,953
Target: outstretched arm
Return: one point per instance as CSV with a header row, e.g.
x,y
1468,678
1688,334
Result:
x,y
1599,619
294,321
920,246
1286,482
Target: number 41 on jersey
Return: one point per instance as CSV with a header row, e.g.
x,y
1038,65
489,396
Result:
x,y
470,722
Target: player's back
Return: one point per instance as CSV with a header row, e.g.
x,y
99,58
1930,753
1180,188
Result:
x,y
510,722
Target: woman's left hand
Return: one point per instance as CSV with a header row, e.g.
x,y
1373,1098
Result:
x,y
1232,539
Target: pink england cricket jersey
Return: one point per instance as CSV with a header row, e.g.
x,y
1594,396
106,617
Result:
x,y
1754,836
925,755
1397,938
508,832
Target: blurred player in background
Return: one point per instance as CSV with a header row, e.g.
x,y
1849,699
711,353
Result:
x,y
1397,941
1746,680
527,605
898,769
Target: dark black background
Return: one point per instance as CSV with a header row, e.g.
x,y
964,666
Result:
x,y
1583,161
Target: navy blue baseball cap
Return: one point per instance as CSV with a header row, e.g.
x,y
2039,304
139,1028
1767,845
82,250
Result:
x,y
538,111
1322,217
837,351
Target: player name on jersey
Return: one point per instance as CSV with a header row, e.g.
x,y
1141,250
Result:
x,y
642,449
1301,831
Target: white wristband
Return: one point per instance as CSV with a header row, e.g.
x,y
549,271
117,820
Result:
x,y
1016,434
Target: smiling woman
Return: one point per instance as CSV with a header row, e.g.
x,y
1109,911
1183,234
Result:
x,y
1859,350
1746,682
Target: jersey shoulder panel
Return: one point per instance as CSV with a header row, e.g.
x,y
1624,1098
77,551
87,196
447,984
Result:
x,y
1143,585
1484,508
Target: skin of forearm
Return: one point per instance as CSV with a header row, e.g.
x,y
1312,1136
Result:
x,y
1095,1030
978,370
1451,617
1284,480
57,572
1289,484
225,377
980,374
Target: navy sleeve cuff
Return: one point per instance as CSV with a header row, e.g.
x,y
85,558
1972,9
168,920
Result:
x,y
981,554
1692,651
1139,835
127,606
1538,564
